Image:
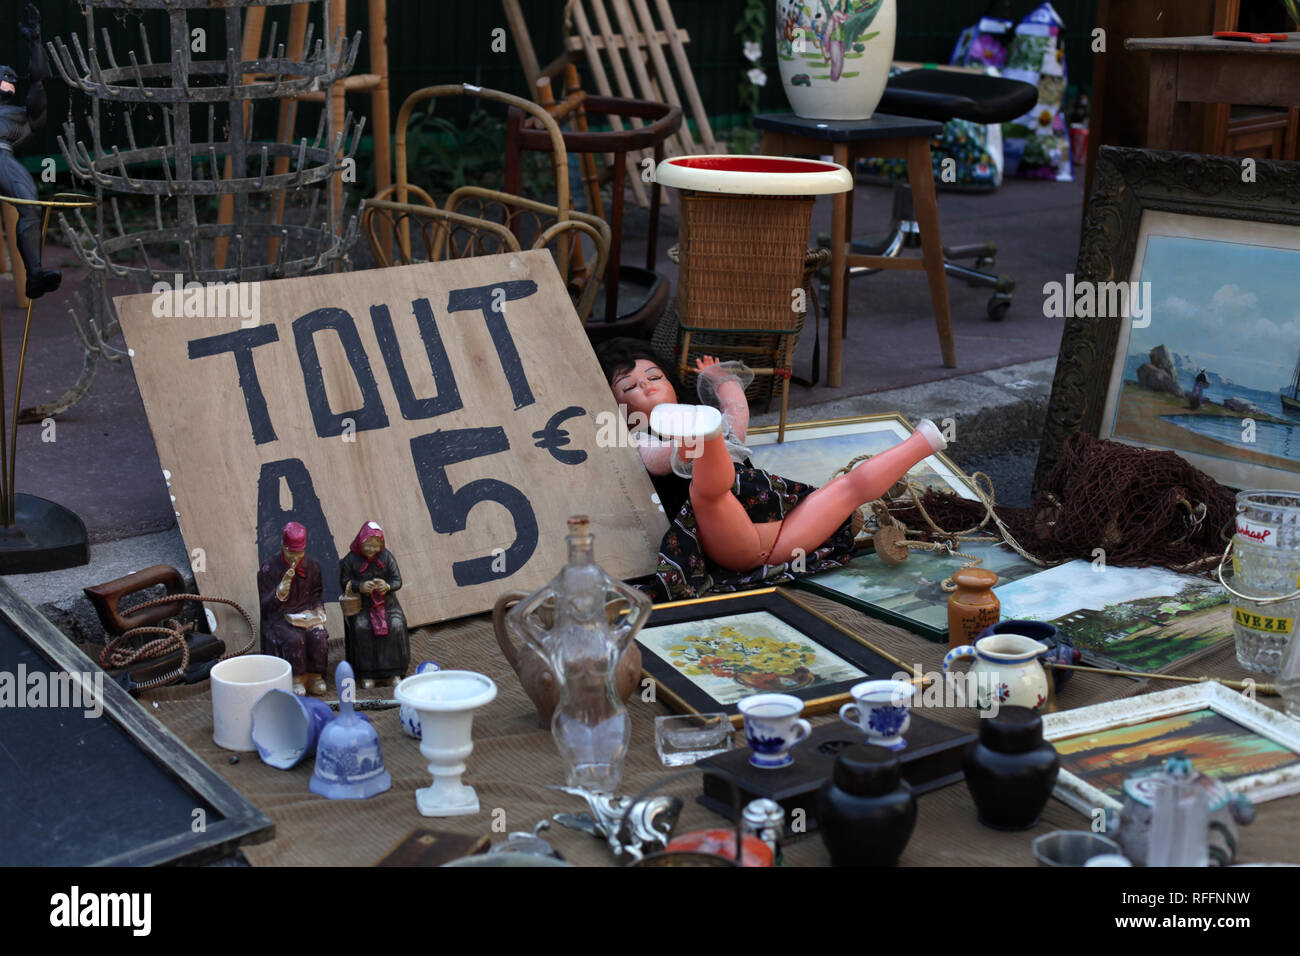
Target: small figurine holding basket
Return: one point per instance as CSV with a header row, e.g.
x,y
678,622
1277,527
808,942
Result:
x,y
377,644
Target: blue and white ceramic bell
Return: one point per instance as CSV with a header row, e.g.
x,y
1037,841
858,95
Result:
x,y
349,765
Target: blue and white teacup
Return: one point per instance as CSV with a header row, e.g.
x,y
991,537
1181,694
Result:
x,y
881,709
772,727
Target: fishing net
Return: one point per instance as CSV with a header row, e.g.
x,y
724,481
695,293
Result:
x,y
1141,507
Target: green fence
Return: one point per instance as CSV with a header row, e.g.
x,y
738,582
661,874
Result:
x,y
448,41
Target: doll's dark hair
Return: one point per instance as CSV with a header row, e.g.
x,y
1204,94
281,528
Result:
x,y
617,356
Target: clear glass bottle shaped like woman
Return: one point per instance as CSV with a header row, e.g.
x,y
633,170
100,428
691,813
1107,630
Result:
x,y
592,618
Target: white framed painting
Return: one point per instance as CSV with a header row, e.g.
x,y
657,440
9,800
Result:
x,y
813,451
1252,749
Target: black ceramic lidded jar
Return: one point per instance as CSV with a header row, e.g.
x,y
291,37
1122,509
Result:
x,y
866,812
1011,770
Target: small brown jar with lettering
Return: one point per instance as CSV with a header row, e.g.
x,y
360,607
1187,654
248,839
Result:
x,y
973,606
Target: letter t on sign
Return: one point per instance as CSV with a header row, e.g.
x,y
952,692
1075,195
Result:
x,y
242,344
483,298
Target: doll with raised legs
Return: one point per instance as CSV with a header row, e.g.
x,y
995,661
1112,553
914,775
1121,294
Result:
x,y
735,526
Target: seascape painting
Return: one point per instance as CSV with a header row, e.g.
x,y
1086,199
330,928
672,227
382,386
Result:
x,y
1138,619
911,594
1212,370
813,452
1216,745
736,655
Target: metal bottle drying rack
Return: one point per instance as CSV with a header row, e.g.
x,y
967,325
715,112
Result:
x,y
200,157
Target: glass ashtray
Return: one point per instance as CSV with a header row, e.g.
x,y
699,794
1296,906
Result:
x,y
685,738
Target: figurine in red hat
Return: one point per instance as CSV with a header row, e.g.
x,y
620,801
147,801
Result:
x,y
293,611
377,644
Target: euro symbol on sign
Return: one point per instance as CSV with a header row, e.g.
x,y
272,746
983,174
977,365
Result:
x,y
553,438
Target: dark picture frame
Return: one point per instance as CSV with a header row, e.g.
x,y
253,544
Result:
x,y
684,695
899,602
1128,184
123,789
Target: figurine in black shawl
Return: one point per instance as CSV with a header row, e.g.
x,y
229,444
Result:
x,y
377,645
17,125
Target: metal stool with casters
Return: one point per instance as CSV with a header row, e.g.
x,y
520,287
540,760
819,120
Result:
x,y
944,95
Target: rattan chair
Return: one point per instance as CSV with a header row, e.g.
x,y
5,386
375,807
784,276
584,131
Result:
x,y
474,221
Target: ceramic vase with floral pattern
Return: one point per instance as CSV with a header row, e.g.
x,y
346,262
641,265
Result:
x,y
835,55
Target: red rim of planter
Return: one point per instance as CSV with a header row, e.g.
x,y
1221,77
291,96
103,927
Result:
x,y
754,175
753,164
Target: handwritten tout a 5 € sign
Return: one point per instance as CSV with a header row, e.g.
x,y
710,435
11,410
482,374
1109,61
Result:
x,y
470,391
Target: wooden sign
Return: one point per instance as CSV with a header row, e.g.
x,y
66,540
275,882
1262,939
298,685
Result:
x,y
456,403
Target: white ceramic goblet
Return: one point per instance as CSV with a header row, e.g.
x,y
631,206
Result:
x,y
445,702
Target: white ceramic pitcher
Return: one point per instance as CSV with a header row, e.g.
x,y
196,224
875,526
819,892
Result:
x,y
1006,672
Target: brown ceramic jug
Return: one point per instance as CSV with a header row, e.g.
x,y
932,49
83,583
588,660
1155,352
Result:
x,y
535,673
973,606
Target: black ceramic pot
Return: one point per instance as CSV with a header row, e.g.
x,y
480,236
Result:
x,y
1011,770
866,811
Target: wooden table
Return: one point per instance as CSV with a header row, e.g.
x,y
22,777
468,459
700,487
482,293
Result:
x,y
515,762
882,137
1187,70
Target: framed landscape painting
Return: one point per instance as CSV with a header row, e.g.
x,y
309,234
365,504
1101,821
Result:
x,y
813,451
1251,749
911,594
1133,619
707,654
1183,316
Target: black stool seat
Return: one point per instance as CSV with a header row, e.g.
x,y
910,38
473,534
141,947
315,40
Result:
x,y
944,95
879,126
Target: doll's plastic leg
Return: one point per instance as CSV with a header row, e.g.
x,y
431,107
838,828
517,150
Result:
x,y
726,533
878,474
810,523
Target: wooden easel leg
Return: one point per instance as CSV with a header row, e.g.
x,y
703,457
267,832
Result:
x,y
920,174
254,18
839,311
785,405
338,27
287,118
379,105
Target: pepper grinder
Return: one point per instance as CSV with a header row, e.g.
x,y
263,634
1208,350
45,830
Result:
x,y
766,820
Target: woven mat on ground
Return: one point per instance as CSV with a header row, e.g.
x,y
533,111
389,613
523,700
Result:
x,y
514,760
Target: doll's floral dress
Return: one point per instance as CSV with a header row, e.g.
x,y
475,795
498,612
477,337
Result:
x,y
686,572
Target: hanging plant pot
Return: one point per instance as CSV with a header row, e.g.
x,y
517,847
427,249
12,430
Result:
x,y
835,55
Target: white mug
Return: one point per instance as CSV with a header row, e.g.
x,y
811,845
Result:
x,y
238,684
881,709
772,727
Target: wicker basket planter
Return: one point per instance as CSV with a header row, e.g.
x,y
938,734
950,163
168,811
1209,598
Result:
x,y
742,250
